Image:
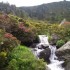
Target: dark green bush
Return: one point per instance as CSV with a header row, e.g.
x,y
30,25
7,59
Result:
x,y
60,43
22,58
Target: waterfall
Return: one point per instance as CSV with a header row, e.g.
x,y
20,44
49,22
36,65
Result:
x,y
43,39
52,56
55,63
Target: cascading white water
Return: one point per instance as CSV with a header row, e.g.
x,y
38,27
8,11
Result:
x,y
43,39
55,64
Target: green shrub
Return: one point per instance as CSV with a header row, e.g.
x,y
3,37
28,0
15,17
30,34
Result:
x,y
7,43
22,58
49,38
60,43
3,58
13,65
13,18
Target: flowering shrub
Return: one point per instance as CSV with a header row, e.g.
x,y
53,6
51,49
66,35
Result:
x,y
22,27
8,35
24,34
7,43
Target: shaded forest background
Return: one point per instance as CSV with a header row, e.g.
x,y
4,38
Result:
x,y
51,12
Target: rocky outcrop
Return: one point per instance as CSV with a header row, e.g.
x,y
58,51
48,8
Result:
x,y
45,54
54,39
67,67
63,53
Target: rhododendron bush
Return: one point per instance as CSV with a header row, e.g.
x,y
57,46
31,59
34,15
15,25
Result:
x,y
7,43
24,34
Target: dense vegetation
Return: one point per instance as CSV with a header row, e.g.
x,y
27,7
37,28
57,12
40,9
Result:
x,y
11,9
16,31
21,58
52,12
27,30
7,43
12,55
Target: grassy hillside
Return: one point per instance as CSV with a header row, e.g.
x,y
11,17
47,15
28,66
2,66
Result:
x,y
52,12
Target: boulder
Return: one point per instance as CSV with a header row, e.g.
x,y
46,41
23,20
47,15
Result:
x,y
53,39
45,54
67,67
33,45
42,47
63,53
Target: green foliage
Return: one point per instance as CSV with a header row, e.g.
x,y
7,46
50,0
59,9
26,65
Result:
x,y
13,18
60,43
25,35
7,43
49,38
13,65
21,58
39,27
17,27
21,52
67,32
61,32
3,59
28,30
38,65
53,12
3,54
12,9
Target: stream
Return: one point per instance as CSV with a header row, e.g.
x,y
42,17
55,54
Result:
x,y
54,64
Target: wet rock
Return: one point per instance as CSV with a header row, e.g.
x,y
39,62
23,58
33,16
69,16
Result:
x,y
45,54
42,47
52,42
33,45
